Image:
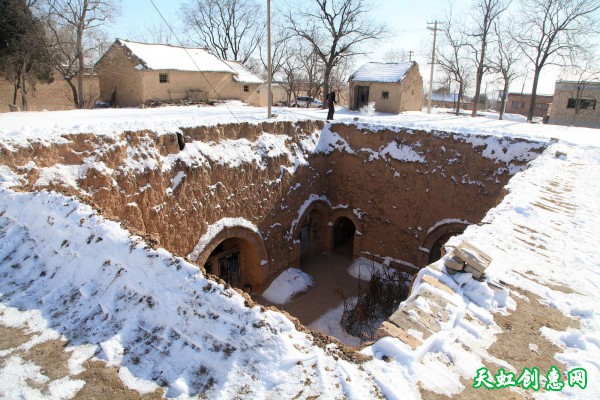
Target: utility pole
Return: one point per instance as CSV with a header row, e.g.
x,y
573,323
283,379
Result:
x,y
269,67
410,53
434,29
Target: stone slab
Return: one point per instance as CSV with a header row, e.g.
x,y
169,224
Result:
x,y
454,263
472,256
439,314
435,298
388,329
402,320
436,283
476,273
422,317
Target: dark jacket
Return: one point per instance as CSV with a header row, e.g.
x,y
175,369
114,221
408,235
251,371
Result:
x,y
331,98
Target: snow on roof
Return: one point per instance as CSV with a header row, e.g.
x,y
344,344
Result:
x,y
167,57
529,94
381,72
244,75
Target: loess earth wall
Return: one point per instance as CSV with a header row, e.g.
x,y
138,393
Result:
x,y
399,187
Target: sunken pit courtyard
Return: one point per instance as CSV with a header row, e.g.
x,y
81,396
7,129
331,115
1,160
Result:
x,y
245,202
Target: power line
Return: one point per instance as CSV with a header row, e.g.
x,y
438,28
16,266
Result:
x,y
193,61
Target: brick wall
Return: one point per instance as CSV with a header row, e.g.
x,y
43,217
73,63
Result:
x,y
562,114
517,103
54,96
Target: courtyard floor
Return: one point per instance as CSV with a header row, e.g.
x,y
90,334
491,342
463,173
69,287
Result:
x,y
330,277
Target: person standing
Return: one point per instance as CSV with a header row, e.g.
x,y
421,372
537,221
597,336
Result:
x,y
330,103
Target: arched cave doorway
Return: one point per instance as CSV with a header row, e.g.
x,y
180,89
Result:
x,y
435,253
311,234
436,239
343,236
236,255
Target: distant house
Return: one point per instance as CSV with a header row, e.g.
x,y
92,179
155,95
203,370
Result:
x,y
448,100
132,74
576,103
393,87
518,103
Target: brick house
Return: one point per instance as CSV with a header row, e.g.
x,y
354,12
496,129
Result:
x,y
567,110
518,103
393,87
133,73
447,100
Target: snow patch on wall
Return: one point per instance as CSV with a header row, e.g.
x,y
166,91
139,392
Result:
x,y
505,149
330,141
177,179
448,221
402,152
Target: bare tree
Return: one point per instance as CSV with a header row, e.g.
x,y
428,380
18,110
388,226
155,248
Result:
x,y
395,56
289,71
335,30
281,52
23,55
153,33
339,82
484,15
505,60
311,72
231,28
552,30
73,27
453,59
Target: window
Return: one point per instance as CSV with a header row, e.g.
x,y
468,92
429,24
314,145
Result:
x,y
583,103
163,78
246,88
385,95
518,104
541,106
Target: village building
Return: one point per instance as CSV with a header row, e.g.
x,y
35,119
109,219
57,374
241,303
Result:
x,y
576,104
134,74
393,87
53,96
518,103
447,100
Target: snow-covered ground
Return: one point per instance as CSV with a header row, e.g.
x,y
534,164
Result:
x,y
66,272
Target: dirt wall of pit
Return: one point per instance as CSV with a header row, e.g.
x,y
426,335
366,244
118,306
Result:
x,y
399,187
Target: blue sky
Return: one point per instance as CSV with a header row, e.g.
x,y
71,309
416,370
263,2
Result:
x,y
407,20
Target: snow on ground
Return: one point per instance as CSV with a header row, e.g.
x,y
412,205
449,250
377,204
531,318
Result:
x,y
161,321
329,324
287,284
67,272
46,127
363,268
543,237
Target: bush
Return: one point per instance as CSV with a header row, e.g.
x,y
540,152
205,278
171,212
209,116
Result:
x,y
376,301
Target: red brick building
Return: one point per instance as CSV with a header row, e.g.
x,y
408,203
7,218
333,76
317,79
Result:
x,y
518,103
